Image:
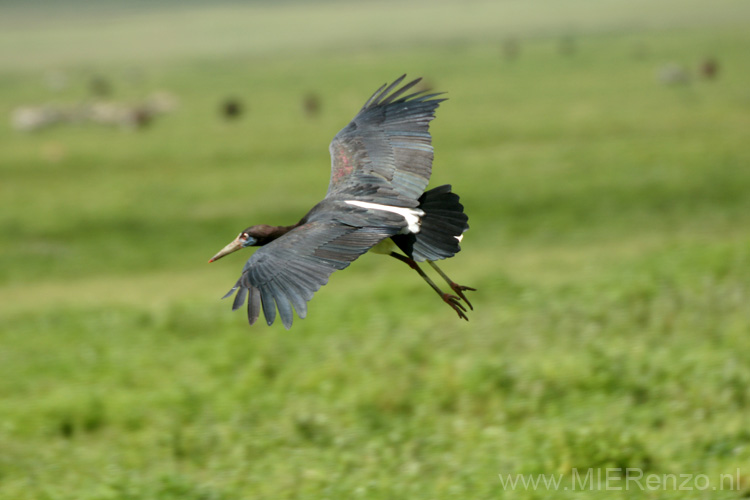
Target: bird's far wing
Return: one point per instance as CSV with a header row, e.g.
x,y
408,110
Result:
x,y
288,271
385,153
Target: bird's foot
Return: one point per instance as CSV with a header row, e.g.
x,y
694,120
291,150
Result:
x,y
459,289
455,303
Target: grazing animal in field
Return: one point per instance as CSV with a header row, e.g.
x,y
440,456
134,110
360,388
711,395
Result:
x,y
100,86
33,118
380,166
111,113
673,74
567,46
129,116
709,68
231,108
311,104
511,48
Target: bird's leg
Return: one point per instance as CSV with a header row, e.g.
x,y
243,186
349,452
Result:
x,y
451,300
459,289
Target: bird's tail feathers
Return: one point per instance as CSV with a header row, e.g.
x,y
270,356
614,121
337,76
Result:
x,y
441,227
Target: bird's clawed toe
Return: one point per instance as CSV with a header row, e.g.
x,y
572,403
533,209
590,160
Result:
x,y
455,303
459,289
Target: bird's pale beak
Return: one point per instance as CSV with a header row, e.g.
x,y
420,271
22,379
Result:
x,y
232,247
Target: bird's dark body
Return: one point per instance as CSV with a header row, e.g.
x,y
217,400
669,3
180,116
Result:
x,y
380,166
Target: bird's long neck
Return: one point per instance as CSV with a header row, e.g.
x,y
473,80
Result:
x,y
278,232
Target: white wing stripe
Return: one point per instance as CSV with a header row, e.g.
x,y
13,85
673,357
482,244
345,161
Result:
x,y
411,215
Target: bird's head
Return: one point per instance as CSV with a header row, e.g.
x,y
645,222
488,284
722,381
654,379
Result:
x,y
253,236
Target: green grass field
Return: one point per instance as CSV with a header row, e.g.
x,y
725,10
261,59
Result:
x,y
609,243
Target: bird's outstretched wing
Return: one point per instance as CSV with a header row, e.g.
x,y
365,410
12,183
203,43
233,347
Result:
x,y
287,272
385,153
383,156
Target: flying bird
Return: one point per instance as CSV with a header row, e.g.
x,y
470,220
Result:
x,y
380,166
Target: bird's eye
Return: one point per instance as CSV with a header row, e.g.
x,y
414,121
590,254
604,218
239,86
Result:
x,y
244,236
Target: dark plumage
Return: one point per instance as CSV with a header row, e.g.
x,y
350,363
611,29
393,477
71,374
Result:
x,y
381,164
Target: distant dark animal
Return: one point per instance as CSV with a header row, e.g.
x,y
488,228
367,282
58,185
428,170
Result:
x,y
376,199
100,86
567,46
140,117
709,68
311,104
231,108
424,86
511,48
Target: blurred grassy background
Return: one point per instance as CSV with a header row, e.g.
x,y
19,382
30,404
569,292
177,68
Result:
x,y
607,185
